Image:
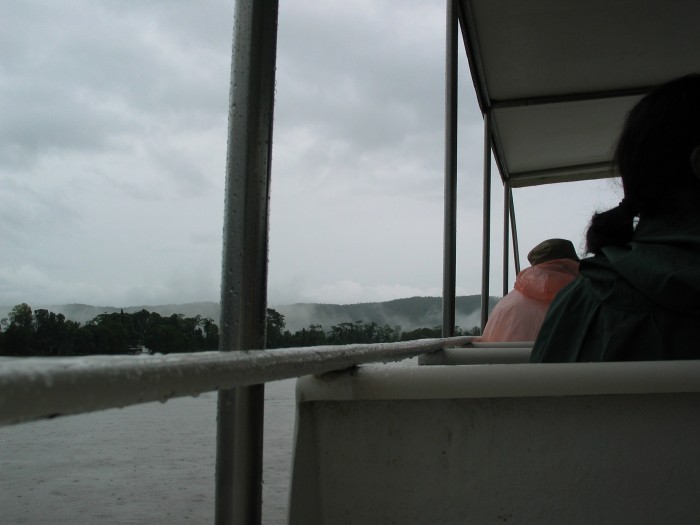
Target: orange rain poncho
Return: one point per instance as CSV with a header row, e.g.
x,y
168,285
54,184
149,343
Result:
x,y
519,315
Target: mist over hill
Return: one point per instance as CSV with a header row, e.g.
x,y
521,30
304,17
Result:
x,y
409,313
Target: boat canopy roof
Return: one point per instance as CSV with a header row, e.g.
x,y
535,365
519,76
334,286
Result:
x,y
559,76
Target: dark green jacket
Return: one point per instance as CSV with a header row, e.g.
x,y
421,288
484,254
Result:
x,y
638,302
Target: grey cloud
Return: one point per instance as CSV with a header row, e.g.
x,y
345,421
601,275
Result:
x,y
28,215
113,137
41,119
81,82
371,130
346,76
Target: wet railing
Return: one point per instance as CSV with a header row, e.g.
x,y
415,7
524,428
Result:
x,y
38,388
41,388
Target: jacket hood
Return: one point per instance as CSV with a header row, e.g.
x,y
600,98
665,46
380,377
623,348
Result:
x,y
662,263
543,281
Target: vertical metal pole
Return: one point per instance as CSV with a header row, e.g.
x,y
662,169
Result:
x,y
244,260
514,230
486,243
450,226
506,236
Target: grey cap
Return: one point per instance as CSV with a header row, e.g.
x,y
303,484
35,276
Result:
x,y
552,249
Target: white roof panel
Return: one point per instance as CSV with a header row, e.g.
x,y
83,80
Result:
x,y
559,76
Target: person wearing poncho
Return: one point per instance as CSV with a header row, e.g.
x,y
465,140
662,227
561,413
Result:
x,y
638,297
519,315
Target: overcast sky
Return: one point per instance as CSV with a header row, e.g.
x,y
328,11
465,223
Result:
x,y
113,117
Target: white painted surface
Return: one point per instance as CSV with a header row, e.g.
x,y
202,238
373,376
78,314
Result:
x,y
480,355
499,380
378,447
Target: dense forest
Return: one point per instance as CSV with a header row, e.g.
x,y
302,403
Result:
x,y
27,332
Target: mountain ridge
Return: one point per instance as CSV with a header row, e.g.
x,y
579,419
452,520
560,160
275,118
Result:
x,y
409,313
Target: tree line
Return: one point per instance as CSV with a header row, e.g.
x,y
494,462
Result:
x,y
27,332
358,332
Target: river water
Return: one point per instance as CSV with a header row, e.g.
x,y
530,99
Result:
x,y
151,463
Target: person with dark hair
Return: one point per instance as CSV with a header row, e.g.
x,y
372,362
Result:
x,y
519,315
638,297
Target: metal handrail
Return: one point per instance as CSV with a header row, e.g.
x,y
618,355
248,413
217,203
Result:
x,y
37,388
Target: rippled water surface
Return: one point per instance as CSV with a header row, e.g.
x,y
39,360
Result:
x,y
151,463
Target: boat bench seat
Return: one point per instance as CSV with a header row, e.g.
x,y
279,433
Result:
x,y
478,353
604,443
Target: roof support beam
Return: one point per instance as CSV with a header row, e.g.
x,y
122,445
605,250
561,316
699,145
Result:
x,y
506,235
486,235
450,221
598,170
572,97
244,260
514,231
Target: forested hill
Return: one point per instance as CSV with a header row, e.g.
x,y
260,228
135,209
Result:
x,y
82,313
410,313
